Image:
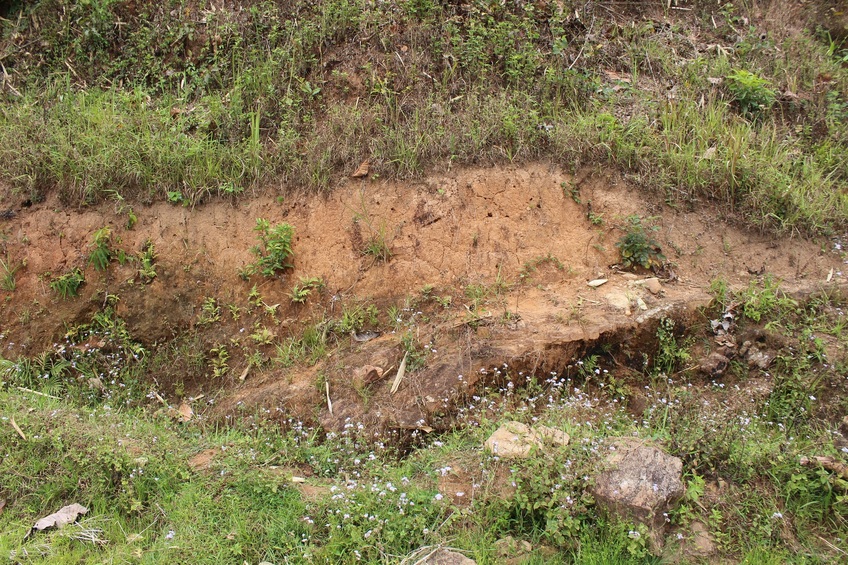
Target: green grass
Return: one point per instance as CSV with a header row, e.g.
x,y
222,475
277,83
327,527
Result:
x,y
116,450
8,269
210,102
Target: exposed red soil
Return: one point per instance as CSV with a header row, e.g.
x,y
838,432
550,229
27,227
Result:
x,y
468,227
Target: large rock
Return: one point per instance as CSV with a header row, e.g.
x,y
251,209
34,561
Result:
x,y
639,482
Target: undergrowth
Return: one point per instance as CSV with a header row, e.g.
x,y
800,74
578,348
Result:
x,y
83,426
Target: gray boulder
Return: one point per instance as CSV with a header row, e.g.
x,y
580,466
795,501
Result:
x,y
641,483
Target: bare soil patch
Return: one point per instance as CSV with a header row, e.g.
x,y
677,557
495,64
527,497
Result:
x,y
517,233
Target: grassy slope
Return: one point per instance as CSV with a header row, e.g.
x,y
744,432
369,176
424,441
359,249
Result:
x,y
113,99
183,98
124,457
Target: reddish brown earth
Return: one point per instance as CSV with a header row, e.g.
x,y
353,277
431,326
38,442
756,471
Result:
x,y
468,227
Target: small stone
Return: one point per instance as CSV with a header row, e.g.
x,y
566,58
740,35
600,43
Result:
x,y
552,435
653,285
597,282
505,547
185,411
366,375
445,557
513,440
758,358
511,550
714,365
619,300
96,383
641,303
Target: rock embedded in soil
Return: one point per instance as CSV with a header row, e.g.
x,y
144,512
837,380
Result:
x,y
366,375
653,284
695,546
446,557
619,300
756,357
640,482
511,550
513,440
714,365
552,436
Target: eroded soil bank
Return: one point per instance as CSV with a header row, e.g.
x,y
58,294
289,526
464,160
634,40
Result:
x,y
487,266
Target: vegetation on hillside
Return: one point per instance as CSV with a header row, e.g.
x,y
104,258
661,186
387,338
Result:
x,y
187,100
82,425
207,98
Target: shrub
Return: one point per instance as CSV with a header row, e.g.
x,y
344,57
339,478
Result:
x,y
751,92
638,247
275,250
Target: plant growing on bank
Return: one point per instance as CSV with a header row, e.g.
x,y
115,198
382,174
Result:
x,y
377,244
274,254
304,288
147,259
637,246
210,312
751,92
102,253
7,273
67,285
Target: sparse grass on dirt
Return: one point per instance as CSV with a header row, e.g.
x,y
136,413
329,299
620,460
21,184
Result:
x,y
191,99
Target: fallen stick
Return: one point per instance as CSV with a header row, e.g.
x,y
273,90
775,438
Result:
x,y
828,463
17,429
38,393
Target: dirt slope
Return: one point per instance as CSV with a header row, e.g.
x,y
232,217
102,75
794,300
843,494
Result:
x,y
510,246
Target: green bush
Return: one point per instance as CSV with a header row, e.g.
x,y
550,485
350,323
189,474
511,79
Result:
x,y
275,250
637,247
751,92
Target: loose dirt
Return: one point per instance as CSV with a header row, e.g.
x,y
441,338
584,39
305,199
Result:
x,y
511,247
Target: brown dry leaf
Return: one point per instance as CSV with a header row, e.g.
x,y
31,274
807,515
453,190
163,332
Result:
x,y
401,371
185,411
17,428
66,515
362,171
